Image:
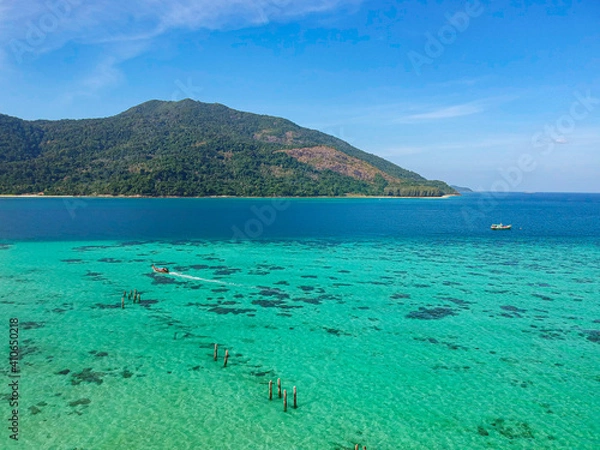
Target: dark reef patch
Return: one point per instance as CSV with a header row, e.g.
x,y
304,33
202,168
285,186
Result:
x,y
307,288
87,376
262,374
378,283
336,332
34,410
63,372
72,261
555,334
274,304
110,260
512,312
450,345
451,368
105,306
81,401
512,429
583,280
497,291
399,296
163,279
463,304
96,276
593,335
131,243
319,299
31,325
27,349
431,313
89,248
235,311
542,297
226,271
273,292
312,301
147,303
259,272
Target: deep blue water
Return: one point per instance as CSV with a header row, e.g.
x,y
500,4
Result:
x,y
404,323
532,215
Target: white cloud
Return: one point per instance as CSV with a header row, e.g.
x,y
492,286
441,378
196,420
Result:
x,y
127,28
447,112
124,29
112,20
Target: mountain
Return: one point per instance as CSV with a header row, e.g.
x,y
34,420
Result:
x,y
190,148
461,189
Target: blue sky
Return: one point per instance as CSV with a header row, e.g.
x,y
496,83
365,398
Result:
x,y
495,95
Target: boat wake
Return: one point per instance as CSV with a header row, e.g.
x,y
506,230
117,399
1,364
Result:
x,y
206,280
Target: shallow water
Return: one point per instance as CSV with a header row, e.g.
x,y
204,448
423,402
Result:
x,y
438,339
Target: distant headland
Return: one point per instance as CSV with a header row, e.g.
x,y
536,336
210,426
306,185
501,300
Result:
x,y
193,149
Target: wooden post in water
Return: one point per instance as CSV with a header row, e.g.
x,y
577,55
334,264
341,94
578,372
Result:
x,y
123,302
284,400
216,352
356,447
279,387
295,398
226,358
270,389
130,294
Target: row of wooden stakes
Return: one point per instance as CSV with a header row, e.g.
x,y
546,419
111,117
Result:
x,y
135,295
279,391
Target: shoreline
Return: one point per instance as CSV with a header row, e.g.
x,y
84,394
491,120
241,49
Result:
x,y
217,196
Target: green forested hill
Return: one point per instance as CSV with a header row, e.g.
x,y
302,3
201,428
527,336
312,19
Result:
x,y
190,148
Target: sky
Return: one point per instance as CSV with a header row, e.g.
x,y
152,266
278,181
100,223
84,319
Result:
x,y
498,95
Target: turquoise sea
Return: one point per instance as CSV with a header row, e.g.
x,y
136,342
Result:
x,y
403,323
